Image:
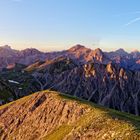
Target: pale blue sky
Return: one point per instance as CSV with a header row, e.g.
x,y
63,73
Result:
x,y
59,24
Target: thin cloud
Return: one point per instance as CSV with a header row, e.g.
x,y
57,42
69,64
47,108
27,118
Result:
x,y
128,13
132,21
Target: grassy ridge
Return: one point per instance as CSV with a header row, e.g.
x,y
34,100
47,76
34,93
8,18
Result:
x,y
110,124
97,123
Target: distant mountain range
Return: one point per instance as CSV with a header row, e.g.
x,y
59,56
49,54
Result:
x,y
78,53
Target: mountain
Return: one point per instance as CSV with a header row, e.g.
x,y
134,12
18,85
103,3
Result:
x,y
121,52
118,53
84,55
109,79
124,59
135,54
106,84
78,53
9,56
48,115
7,50
30,55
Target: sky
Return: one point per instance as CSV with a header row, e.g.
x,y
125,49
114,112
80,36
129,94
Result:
x,y
52,25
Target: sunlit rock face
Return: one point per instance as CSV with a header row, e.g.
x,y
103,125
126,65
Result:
x,y
89,70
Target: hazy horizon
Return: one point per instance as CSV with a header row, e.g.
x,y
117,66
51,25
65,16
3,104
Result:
x,y
53,25
68,47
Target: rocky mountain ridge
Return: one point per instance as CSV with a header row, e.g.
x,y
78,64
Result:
x,y
80,54
48,115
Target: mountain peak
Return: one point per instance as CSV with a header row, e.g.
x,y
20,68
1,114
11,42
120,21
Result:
x,y
99,55
6,47
121,50
98,50
135,52
30,51
77,47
